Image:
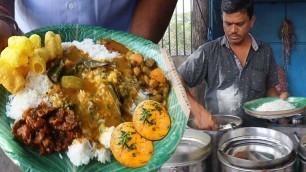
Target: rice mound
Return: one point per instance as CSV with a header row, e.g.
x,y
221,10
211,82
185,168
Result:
x,y
80,152
36,88
276,105
95,51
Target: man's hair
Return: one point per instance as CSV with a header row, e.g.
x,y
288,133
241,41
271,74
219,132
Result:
x,y
233,6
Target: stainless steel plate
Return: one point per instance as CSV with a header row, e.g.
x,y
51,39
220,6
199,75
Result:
x,y
194,146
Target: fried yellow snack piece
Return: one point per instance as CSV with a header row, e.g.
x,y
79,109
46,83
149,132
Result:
x,y
37,64
42,53
24,70
14,57
129,148
151,120
36,41
53,44
21,43
11,78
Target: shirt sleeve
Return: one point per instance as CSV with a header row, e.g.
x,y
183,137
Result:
x,y
194,69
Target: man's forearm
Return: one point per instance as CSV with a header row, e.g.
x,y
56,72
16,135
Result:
x,y
151,18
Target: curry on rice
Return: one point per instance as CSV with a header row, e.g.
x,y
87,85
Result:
x,y
89,95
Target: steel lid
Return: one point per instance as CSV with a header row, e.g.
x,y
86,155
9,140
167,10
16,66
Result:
x,y
254,147
194,146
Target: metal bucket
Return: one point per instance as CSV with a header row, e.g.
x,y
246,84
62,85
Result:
x,y
191,153
256,149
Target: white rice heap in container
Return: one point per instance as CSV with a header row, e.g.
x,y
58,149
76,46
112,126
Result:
x,y
276,105
81,151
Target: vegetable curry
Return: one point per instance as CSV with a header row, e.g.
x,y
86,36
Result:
x,y
104,93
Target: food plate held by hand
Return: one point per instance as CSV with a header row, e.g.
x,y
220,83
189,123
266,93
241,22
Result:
x,y
274,107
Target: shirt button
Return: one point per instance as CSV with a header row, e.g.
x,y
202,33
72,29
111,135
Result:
x,y
71,5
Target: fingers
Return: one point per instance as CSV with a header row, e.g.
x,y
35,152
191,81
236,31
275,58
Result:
x,y
207,123
284,95
213,124
5,33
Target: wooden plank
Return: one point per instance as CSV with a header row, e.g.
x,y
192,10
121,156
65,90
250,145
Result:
x,y
200,21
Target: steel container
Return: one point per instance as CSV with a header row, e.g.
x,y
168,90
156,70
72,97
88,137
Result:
x,y
256,149
191,153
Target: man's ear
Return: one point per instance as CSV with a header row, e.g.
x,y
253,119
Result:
x,y
252,20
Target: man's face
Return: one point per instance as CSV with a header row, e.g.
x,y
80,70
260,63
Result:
x,y
236,26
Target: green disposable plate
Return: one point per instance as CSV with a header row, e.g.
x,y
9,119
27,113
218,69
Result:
x,y
29,160
251,106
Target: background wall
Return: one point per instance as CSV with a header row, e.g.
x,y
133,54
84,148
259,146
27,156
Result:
x,y
269,17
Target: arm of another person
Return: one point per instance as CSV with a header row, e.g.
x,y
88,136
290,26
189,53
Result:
x,y
202,117
273,79
151,18
272,92
6,28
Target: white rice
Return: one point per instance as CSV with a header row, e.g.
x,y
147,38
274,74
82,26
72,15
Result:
x,y
103,155
80,152
106,136
276,105
31,96
95,51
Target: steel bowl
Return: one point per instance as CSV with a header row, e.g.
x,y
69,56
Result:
x,y
256,148
223,122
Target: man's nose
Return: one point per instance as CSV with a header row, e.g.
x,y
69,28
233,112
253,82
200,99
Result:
x,y
234,28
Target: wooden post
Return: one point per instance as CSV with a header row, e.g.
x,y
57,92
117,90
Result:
x,y
200,22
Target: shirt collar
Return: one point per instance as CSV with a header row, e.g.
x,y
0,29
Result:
x,y
225,42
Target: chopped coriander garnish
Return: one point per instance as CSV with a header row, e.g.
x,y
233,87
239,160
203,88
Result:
x,y
145,115
124,138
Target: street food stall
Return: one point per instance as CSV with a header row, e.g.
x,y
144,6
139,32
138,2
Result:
x,y
280,147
